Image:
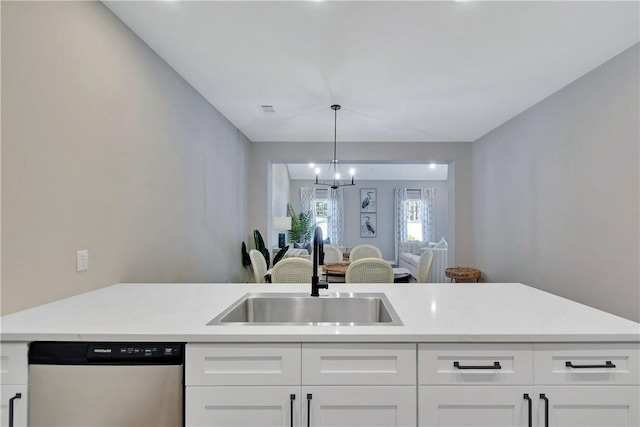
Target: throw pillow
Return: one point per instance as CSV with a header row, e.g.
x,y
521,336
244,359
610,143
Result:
x,y
417,248
305,245
442,244
327,241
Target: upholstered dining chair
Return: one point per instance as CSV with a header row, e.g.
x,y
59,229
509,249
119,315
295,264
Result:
x,y
259,265
332,254
292,270
369,270
424,266
364,251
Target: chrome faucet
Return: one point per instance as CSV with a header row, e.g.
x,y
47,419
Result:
x,y
318,259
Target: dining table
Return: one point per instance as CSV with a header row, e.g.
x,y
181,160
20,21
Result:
x,y
335,273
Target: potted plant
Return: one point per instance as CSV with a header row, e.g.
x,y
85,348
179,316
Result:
x,y
302,225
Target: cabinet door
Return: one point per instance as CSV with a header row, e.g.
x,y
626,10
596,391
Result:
x,y
263,406
10,395
13,363
473,406
588,406
346,406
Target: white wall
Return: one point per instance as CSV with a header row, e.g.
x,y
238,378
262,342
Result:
x,y
456,154
556,192
385,210
106,148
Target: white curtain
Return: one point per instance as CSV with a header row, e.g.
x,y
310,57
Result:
x,y
335,224
307,199
427,196
399,218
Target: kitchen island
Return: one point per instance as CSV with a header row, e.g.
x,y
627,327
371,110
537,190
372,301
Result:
x,y
499,350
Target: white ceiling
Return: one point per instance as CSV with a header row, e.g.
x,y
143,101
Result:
x,y
402,70
371,171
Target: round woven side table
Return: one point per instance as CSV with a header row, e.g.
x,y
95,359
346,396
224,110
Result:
x,y
463,274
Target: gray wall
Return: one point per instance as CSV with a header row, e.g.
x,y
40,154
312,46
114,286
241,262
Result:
x,y
106,148
556,192
281,183
385,210
456,154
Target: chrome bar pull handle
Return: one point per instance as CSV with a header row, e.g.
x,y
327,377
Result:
x,y
309,397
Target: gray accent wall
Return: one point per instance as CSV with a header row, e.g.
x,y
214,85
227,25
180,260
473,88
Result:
x,y
556,192
385,211
106,148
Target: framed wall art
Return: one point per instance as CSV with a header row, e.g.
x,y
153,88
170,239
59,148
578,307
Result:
x,y
368,225
368,199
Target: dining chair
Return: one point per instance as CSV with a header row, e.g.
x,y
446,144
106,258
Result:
x,y
332,255
369,270
424,266
259,265
364,251
292,270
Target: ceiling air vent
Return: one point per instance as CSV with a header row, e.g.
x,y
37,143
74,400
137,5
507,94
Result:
x,y
268,108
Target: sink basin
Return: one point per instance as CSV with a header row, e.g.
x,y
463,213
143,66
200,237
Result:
x,y
338,309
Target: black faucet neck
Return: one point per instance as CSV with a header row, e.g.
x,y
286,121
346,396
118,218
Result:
x,y
318,259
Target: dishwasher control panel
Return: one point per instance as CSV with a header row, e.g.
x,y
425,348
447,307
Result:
x,y
106,353
128,351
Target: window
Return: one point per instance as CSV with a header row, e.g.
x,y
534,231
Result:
x,y
414,215
322,210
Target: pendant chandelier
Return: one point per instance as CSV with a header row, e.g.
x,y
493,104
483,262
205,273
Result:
x,y
334,167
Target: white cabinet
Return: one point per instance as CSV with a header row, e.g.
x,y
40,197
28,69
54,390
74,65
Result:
x,y
473,406
301,385
242,385
587,406
250,406
542,385
349,384
14,377
587,385
370,406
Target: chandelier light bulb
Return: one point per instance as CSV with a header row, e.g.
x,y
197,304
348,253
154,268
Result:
x,y
312,165
317,171
352,171
337,175
432,165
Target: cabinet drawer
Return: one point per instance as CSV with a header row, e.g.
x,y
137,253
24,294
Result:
x,y
265,406
242,364
475,364
13,363
595,363
359,364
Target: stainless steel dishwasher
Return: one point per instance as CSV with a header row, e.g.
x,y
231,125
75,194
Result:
x,y
106,384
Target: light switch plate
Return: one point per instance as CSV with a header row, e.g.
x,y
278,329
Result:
x,y
82,260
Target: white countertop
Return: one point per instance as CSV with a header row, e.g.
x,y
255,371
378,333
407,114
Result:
x,y
465,312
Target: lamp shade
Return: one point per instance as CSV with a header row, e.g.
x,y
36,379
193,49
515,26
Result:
x,y
282,222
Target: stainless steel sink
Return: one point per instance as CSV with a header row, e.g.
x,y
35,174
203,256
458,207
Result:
x,y
338,309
